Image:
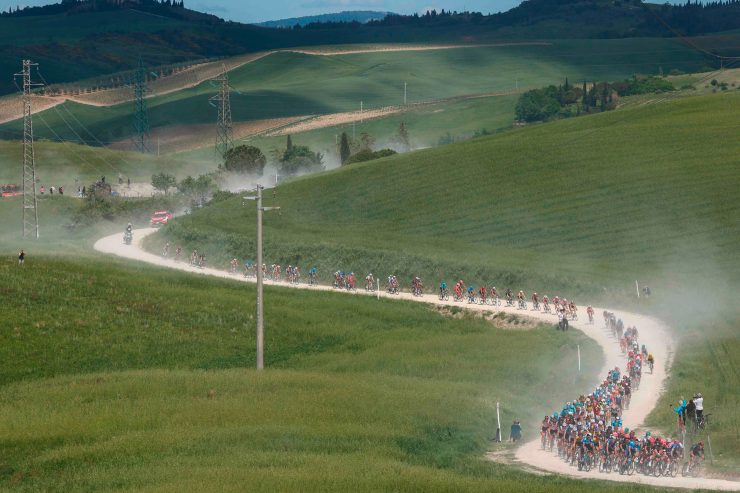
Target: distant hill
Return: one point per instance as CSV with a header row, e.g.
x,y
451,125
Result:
x,y
361,16
78,39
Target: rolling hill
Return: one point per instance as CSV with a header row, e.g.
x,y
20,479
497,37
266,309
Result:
x,y
118,374
580,207
289,84
76,40
598,200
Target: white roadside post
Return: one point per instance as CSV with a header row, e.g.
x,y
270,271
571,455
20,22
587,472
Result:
x,y
260,305
498,423
579,357
637,288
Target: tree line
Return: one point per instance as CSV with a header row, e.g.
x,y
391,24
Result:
x,y
567,100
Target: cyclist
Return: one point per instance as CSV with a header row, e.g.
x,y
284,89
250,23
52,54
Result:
x,y
675,449
312,275
587,446
630,451
369,282
471,294
442,287
590,312
482,294
651,361
697,454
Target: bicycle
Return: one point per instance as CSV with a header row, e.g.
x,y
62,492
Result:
x,y
701,422
586,461
444,294
691,468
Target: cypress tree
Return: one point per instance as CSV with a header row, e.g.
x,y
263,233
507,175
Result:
x,y
585,95
289,144
344,150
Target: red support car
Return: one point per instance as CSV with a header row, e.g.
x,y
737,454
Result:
x,y
160,218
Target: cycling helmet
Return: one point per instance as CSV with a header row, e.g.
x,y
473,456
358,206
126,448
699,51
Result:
x,y
701,444
632,444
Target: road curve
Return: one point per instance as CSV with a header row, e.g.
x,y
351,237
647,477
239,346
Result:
x,y
653,333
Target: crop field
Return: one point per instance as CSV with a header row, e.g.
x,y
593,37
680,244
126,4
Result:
x,y
117,375
291,84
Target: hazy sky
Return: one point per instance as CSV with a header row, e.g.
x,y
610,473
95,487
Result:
x,y
262,10
265,10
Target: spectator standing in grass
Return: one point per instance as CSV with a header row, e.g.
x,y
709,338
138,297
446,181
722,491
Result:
x,y
516,431
699,402
21,257
691,411
681,413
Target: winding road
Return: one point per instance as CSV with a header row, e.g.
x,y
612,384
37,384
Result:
x,y
653,333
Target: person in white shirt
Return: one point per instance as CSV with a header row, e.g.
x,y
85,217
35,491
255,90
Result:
x,y
699,402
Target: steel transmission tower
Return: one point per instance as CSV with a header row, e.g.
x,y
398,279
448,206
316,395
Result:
x,y
141,119
30,209
224,133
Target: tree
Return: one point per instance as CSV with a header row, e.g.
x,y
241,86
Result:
x,y
245,159
197,189
289,144
366,142
401,138
538,104
301,159
585,95
163,182
344,150
204,186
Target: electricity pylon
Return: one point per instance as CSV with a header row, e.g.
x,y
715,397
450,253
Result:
x,y
30,209
141,119
224,131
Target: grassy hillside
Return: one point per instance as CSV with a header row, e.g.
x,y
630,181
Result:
x,y
426,125
62,163
106,375
600,200
584,206
707,362
290,84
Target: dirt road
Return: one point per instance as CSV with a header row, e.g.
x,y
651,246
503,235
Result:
x,y
652,333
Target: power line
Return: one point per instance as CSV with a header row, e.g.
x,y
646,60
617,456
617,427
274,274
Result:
x,y
141,119
224,129
30,205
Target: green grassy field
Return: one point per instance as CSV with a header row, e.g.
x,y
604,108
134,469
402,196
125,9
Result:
x,y
426,125
107,368
543,207
63,163
585,205
290,84
707,362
